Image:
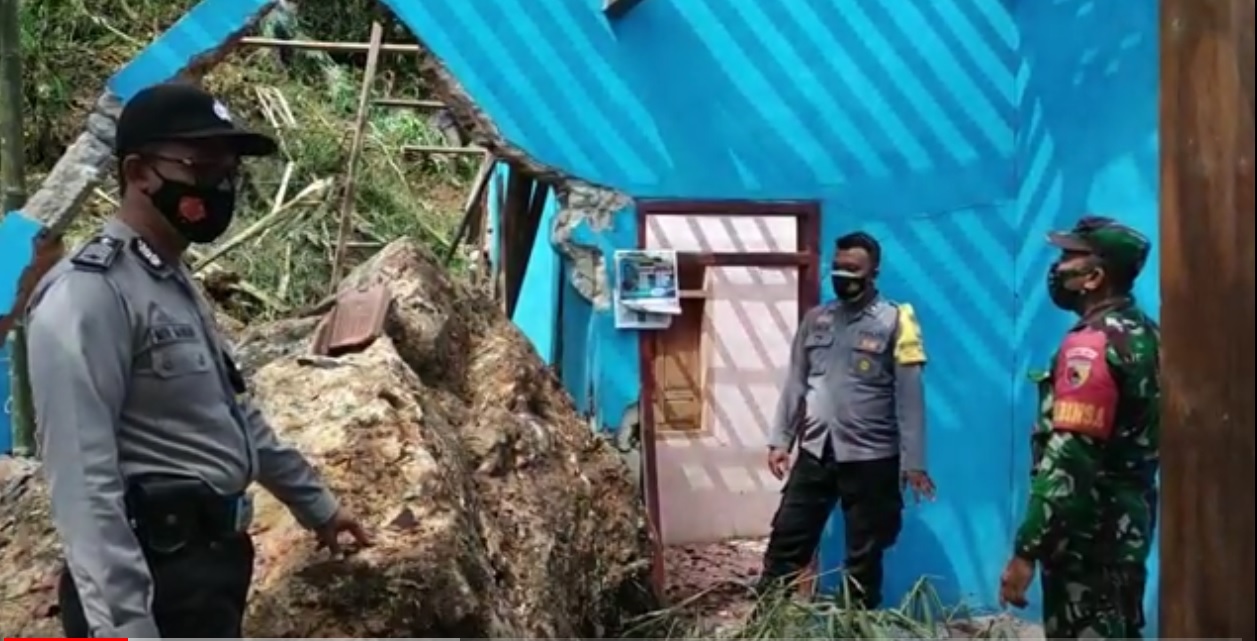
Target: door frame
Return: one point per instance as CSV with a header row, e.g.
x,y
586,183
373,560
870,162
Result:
x,y
807,215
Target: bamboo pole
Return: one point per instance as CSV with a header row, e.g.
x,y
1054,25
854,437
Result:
x,y
355,149
474,199
13,185
260,225
329,47
419,150
12,164
407,103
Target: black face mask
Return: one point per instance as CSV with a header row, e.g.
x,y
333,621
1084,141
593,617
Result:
x,y
200,212
1063,296
850,288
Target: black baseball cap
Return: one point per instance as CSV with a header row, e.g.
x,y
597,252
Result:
x,y
180,111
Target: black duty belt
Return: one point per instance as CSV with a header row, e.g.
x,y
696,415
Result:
x,y
170,513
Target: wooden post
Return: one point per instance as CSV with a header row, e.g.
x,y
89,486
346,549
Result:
x,y
13,186
355,149
12,164
1207,319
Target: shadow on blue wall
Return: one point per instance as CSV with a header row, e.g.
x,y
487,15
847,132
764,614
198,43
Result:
x,y
842,102
1087,143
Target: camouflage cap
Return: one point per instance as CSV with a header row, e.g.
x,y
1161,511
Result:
x,y
1117,244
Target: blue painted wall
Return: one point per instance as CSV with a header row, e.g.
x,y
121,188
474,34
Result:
x,y
535,310
958,132
899,118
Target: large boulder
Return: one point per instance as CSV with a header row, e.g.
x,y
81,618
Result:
x,y
497,513
29,553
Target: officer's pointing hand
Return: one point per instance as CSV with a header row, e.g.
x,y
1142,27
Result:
x,y
329,534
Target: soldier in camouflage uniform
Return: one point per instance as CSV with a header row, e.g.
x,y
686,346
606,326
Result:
x,y
1092,500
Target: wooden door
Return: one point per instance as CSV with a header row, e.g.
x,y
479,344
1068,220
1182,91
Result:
x,y
679,360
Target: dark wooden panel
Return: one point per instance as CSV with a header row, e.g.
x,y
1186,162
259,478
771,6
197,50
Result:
x,y
1207,318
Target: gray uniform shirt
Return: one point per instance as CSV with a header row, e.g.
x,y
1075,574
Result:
x,y
129,376
846,388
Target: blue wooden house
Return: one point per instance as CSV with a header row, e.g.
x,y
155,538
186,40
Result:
x,y
747,136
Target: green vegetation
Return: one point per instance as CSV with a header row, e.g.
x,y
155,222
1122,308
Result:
x,y
920,615
72,47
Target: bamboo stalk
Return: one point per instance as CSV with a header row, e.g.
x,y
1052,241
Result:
x,y
12,163
415,150
328,47
260,224
406,103
355,149
469,208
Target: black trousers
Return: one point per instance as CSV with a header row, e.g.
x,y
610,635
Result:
x,y
199,591
872,509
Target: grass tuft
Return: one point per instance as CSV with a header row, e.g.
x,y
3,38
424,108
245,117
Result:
x,y
921,614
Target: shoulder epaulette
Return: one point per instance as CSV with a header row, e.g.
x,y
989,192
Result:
x,y
98,254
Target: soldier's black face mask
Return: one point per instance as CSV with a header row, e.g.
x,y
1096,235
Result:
x,y
1063,296
200,211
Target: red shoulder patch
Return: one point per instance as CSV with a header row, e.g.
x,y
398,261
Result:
x,y
1085,393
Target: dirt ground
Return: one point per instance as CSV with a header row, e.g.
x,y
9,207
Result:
x,y
714,579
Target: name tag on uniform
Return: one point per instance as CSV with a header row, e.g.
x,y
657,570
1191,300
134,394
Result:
x,y
869,343
171,333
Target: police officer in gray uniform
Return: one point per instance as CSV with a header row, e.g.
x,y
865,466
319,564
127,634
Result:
x,y
147,440
853,400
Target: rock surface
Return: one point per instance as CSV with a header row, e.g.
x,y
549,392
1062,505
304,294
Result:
x,y
496,512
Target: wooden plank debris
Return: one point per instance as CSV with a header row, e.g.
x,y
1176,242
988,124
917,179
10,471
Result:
x,y
355,149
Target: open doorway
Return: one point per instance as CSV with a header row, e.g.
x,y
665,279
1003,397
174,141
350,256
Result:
x,y
711,380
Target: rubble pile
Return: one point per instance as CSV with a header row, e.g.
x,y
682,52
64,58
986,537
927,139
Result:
x,y
496,512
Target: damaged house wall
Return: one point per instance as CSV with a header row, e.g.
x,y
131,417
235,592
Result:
x,y
583,224
901,119
438,568
896,118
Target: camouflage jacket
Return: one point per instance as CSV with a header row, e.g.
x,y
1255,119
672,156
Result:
x,y
1092,494
1042,430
